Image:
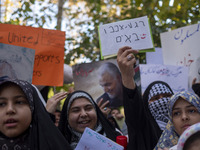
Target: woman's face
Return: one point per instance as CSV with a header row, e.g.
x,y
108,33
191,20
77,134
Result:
x,y
15,112
184,114
81,115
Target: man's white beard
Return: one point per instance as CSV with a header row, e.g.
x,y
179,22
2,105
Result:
x,y
117,92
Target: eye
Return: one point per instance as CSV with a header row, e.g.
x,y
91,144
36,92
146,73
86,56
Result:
x,y
176,113
155,98
75,110
192,110
89,107
2,104
21,101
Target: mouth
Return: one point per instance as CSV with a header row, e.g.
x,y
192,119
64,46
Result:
x,y
84,123
10,123
185,126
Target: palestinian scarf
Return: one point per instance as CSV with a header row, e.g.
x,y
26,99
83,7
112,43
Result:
x,y
103,126
42,133
157,89
159,111
158,108
169,136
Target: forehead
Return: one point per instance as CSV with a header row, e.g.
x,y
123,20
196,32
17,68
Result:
x,y
106,77
181,103
78,102
10,86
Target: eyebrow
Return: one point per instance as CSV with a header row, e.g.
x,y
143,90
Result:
x,y
18,96
75,107
188,106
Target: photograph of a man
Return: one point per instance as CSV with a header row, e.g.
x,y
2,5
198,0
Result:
x,y
111,82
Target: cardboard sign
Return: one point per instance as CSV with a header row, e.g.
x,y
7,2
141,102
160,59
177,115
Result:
x,y
16,62
49,50
181,47
134,32
92,140
175,76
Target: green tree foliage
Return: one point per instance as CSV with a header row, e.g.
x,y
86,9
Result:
x,y
163,14
82,17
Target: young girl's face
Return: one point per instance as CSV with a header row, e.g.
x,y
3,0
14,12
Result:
x,y
184,114
15,113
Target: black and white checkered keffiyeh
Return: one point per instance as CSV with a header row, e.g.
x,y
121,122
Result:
x,y
158,108
158,89
159,111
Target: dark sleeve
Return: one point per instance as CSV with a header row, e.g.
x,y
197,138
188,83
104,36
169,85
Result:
x,y
133,107
140,130
52,116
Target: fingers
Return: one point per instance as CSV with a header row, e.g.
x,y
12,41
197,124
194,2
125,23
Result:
x,y
121,50
58,96
126,56
100,102
104,104
124,51
54,100
105,110
125,48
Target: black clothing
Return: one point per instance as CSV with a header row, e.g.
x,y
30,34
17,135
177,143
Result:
x,y
115,102
146,102
107,127
196,88
42,133
143,134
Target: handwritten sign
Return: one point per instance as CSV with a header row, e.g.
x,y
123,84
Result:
x,y
181,47
16,62
49,51
134,32
175,76
91,140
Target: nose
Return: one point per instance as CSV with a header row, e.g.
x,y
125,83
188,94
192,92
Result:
x,y
185,116
83,113
10,109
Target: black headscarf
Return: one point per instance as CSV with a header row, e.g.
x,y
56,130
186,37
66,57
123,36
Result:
x,y
155,91
107,127
42,133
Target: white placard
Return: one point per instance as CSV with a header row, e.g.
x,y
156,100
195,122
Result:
x,y
173,148
92,140
16,62
175,76
134,32
155,57
181,47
